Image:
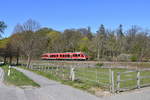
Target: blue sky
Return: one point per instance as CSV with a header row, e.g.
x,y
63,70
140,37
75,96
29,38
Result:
x,y
63,14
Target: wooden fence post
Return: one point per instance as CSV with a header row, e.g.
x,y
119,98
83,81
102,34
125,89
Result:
x,y
9,71
39,68
72,74
42,68
112,82
31,67
63,73
118,82
138,79
45,68
96,76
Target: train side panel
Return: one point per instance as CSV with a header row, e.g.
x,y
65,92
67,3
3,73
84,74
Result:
x,y
64,56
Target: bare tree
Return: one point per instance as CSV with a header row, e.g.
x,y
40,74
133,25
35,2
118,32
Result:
x,y
28,40
100,41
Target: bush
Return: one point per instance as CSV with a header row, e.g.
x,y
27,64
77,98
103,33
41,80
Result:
x,y
134,58
99,64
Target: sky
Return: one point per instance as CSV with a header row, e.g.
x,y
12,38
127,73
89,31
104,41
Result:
x,y
66,14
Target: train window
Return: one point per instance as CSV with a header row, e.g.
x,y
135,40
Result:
x,y
67,55
78,55
60,55
74,55
53,56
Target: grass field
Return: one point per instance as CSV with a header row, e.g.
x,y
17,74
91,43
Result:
x,y
17,78
94,79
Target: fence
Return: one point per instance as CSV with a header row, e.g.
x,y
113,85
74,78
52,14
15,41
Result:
x,y
114,81
95,76
59,71
89,75
129,80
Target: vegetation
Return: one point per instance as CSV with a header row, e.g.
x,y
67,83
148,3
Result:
x,y
99,64
17,78
31,40
2,26
134,58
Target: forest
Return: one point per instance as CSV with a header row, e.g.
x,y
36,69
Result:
x,y
29,40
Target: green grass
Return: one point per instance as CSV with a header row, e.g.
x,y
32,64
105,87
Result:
x,y
86,78
17,78
129,64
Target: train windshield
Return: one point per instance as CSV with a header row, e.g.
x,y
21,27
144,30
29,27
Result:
x,y
44,55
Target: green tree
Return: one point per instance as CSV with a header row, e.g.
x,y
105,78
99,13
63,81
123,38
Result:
x,y
84,44
4,42
55,42
120,39
2,27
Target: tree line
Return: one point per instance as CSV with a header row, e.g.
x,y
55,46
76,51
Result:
x,y
31,40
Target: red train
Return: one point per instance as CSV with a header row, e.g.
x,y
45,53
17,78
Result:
x,y
65,56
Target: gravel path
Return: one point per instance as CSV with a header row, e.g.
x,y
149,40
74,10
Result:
x,y
51,90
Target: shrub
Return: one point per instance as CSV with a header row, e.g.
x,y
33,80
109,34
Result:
x,y
134,58
99,64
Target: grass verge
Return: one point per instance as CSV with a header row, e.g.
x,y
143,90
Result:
x,y
17,78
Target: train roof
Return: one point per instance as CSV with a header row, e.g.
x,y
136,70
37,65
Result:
x,y
65,53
